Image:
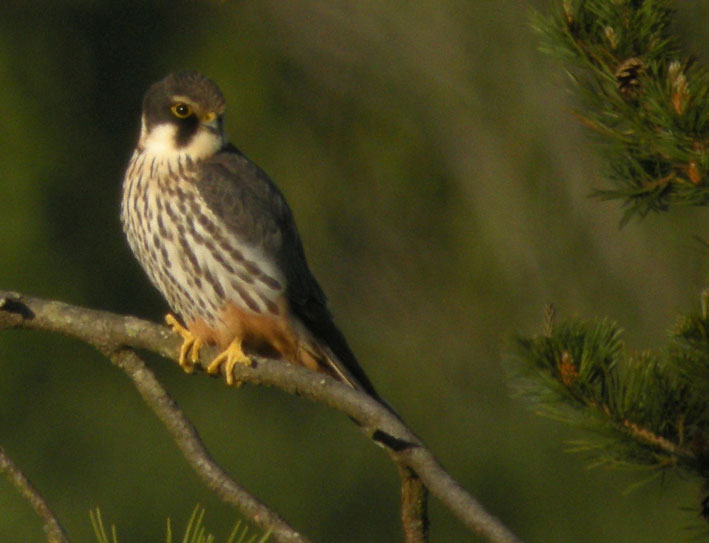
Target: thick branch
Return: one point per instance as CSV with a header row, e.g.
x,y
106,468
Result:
x,y
111,333
108,332
54,531
386,429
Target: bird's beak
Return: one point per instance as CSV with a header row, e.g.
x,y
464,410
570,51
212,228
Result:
x,y
210,121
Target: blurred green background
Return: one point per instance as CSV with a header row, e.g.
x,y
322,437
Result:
x,y
440,183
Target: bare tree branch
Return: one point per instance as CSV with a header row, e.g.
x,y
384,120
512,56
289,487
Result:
x,y
414,510
189,442
112,333
107,332
54,531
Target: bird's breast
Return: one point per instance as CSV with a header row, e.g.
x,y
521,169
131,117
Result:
x,y
193,257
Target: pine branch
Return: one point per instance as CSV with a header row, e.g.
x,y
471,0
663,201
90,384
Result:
x,y
647,409
647,102
116,336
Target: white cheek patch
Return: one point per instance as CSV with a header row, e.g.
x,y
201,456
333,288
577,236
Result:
x,y
205,143
161,142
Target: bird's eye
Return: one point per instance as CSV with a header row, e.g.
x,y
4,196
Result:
x,y
181,110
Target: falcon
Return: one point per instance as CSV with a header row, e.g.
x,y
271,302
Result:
x,y
216,237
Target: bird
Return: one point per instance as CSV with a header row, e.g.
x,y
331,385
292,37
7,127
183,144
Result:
x,y
217,238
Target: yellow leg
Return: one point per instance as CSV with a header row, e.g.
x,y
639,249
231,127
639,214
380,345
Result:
x,y
231,356
190,344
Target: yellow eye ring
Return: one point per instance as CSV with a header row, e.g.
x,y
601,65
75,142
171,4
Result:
x,y
181,110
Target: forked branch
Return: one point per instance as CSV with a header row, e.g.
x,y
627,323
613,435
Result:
x,y
116,336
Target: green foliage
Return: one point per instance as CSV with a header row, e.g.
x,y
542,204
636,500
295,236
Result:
x,y
647,101
195,531
647,409
100,529
648,104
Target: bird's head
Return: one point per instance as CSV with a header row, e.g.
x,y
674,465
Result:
x,y
182,114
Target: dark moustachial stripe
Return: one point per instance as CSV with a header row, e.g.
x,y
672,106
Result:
x,y
186,129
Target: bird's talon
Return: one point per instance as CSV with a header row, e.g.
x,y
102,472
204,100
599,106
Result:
x,y
190,344
196,346
230,357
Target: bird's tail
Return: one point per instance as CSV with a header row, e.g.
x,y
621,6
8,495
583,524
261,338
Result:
x,y
333,356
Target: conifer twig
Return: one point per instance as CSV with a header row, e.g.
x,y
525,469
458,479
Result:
x,y
649,407
651,438
644,98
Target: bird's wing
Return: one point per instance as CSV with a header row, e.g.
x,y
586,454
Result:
x,y
249,203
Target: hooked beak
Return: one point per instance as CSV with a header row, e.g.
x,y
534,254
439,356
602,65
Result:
x,y
210,121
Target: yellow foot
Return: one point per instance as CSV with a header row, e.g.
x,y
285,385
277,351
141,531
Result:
x,y
190,344
232,356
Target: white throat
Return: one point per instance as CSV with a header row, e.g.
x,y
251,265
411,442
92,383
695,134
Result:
x,y
161,142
